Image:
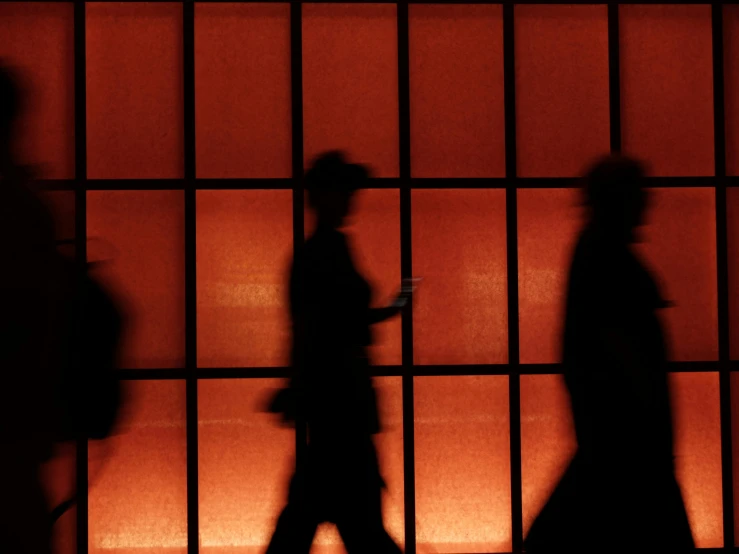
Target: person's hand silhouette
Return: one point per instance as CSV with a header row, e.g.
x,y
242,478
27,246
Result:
x,y
407,289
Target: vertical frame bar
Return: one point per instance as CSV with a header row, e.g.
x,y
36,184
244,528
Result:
x,y
80,236
614,78
514,386
191,327
406,272
298,194
722,274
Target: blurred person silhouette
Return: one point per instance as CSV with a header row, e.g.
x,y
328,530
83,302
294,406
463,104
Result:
x,y
337,479
619,492
26,319
56,364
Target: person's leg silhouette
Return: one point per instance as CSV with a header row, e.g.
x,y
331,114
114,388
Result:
x,y
298,521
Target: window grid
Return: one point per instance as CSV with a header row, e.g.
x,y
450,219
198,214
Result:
x,y
408,370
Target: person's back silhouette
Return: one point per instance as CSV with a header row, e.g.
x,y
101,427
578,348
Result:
x,y
338,479
619,491
26,340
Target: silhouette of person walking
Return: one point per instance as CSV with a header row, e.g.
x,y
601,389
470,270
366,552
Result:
x,y
26,300
338,479
619,491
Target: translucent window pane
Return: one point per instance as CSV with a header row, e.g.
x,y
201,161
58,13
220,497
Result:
x,y
139,498
697,418
561,57
680,247
548,224
731,90
667,87
735,448
389,445
463,479
139,236
245,460
350,83
38,40
732,216
134,90
456,90
242,90
460,313
547,440
374,234
244,251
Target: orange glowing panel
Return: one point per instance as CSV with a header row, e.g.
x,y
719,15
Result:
x,y
731,87
38,41
456,90
548,224
245,460
389,444
732,220
680,248
735,447
244,251
134,90
242,90
561,56
350,83
374,235
463,467
695,400
139,236
460,312
138,496
547,440
667,87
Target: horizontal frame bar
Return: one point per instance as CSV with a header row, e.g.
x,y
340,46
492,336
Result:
x,y
283,372
401,2
375,183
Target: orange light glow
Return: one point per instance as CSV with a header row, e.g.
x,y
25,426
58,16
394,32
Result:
x,y
735,446
456,90
242,90
463,479
667,87
244,247
143,232
695,399
731,84
134,90
350,83
38,39
547,440
680,246
559,82
138,496
732,222
459,248
548,224
245,460
374,234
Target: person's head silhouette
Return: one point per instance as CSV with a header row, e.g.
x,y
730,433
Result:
x,y
615,194
331,183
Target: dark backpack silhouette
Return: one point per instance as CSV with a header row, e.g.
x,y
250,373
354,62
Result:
x,y
90,394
